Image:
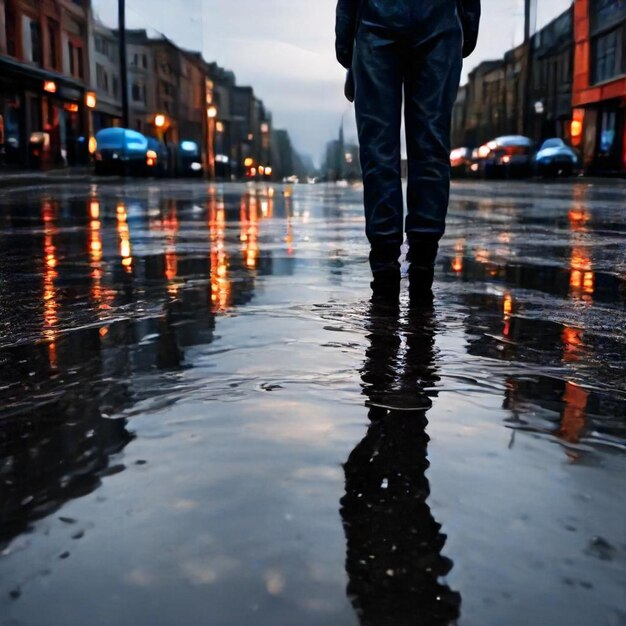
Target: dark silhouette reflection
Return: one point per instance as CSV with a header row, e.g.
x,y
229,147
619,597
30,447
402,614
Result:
x,y
394,561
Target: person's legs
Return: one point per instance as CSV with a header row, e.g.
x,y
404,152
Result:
x,y
378,102
432,74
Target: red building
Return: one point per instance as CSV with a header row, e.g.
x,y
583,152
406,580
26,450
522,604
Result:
x,y
599,90
44,77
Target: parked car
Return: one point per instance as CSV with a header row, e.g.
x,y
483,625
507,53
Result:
x,y
509,156
121,151
555,158
460,162
157,158
189,159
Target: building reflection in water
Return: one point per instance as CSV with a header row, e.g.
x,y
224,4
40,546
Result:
x,y
394,545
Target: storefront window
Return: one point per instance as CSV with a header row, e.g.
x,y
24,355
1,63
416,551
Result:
x,y
607,134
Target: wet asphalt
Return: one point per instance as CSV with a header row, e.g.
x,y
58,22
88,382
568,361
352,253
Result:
x,y
203,419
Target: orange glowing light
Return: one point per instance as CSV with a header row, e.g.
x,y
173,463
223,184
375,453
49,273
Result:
x,y
578,218
91,100
268,170
577,127
508,304
572,343
94,209
103,331
457,264
248,162
50,86
71,107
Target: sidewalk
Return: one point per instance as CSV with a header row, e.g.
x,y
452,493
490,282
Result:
x,y
17,179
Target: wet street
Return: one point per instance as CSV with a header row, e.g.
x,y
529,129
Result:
x,y
204,421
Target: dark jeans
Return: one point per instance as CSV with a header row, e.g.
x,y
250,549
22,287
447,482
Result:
x,y
415,46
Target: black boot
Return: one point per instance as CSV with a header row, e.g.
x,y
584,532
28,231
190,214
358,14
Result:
x,y
386,286
421,257
385,264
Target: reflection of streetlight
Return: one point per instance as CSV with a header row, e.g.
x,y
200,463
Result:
x,y
90,102
212,115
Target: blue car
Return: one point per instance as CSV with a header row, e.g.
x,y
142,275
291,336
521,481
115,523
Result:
x,y
121,151
555,158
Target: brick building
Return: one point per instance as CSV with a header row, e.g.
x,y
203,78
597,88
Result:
x,y
599,91
44,77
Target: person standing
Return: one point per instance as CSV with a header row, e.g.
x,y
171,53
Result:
x,y
409,50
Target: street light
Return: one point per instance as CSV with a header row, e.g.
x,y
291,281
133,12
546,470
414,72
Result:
x,y
212,115
160,120
91,100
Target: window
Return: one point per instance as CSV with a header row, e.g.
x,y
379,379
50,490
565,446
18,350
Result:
x,y
53,29
138,92
35,42
81,62
70,51
11,31
608,55
606,13
116,87
140,60
102,78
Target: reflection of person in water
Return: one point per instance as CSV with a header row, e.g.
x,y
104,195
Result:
x,y
394,545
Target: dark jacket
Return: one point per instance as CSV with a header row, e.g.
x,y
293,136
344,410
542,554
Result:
x,y
347,15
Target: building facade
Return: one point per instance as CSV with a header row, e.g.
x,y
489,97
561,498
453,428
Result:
x,y
549,97
105,76
60,83
44,79
599,90
527,92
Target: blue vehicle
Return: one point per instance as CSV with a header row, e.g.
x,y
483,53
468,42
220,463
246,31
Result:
x,y
189,159
555,158
121,151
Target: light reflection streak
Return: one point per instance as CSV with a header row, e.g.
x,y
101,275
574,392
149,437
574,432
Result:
x,y
220,282
582,277
507,307
573,418
50,304
124,235
171,226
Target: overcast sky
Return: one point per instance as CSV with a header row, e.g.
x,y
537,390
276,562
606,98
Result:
x,y
285,50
